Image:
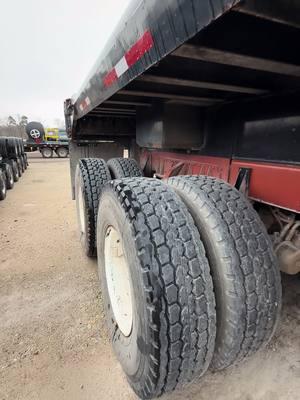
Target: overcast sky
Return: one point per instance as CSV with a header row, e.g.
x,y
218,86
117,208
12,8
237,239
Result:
x,y
47,48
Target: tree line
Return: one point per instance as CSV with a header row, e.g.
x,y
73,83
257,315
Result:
x,y
14,126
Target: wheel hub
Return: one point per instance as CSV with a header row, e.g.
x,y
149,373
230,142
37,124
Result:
x,y
35,133
118,280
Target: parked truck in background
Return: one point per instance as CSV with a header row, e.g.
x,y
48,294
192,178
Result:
x,y
48,141
191,231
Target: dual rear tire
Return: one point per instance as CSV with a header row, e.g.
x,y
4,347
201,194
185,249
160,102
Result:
x,y
144,228
47,152
242,262
188,276
90,177
62,152
124,168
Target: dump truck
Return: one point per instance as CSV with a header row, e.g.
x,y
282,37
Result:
x,y
193,227
48,141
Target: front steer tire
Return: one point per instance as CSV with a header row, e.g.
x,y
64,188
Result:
x,y
244,268
124,168
90,176
172,337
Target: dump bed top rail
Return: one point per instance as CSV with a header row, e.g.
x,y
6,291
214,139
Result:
x,y
148,31
204,54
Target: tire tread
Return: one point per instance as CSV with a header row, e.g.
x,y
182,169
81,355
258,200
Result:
x,y
251,270
124,168
94,174
177,284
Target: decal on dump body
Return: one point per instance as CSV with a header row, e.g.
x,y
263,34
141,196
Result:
x,y
86,102
134,54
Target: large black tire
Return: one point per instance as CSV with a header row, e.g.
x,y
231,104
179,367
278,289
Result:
x,y
244,268
24,160
35,130
19,146
15,169
124,168
11,146
46,152
22,147
2,185
172,333
3,147
7,169
90,177
22,163
62,152
19,165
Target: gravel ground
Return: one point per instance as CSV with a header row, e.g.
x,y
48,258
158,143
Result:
x,y
53,343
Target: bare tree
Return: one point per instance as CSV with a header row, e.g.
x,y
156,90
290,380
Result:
x,y
11,121
23,121
10,127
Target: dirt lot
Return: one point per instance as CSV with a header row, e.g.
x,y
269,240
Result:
x,y
53,343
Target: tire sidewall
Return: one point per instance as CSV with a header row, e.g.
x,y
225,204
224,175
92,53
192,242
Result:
x,y
24,161
44,152
19,166
124,168
22,164
115,170
129,350
9,176
15,170
210,239
65,155
2,185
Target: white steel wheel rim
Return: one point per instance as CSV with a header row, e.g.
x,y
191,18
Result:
x,y
81,210
35,133
118,280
